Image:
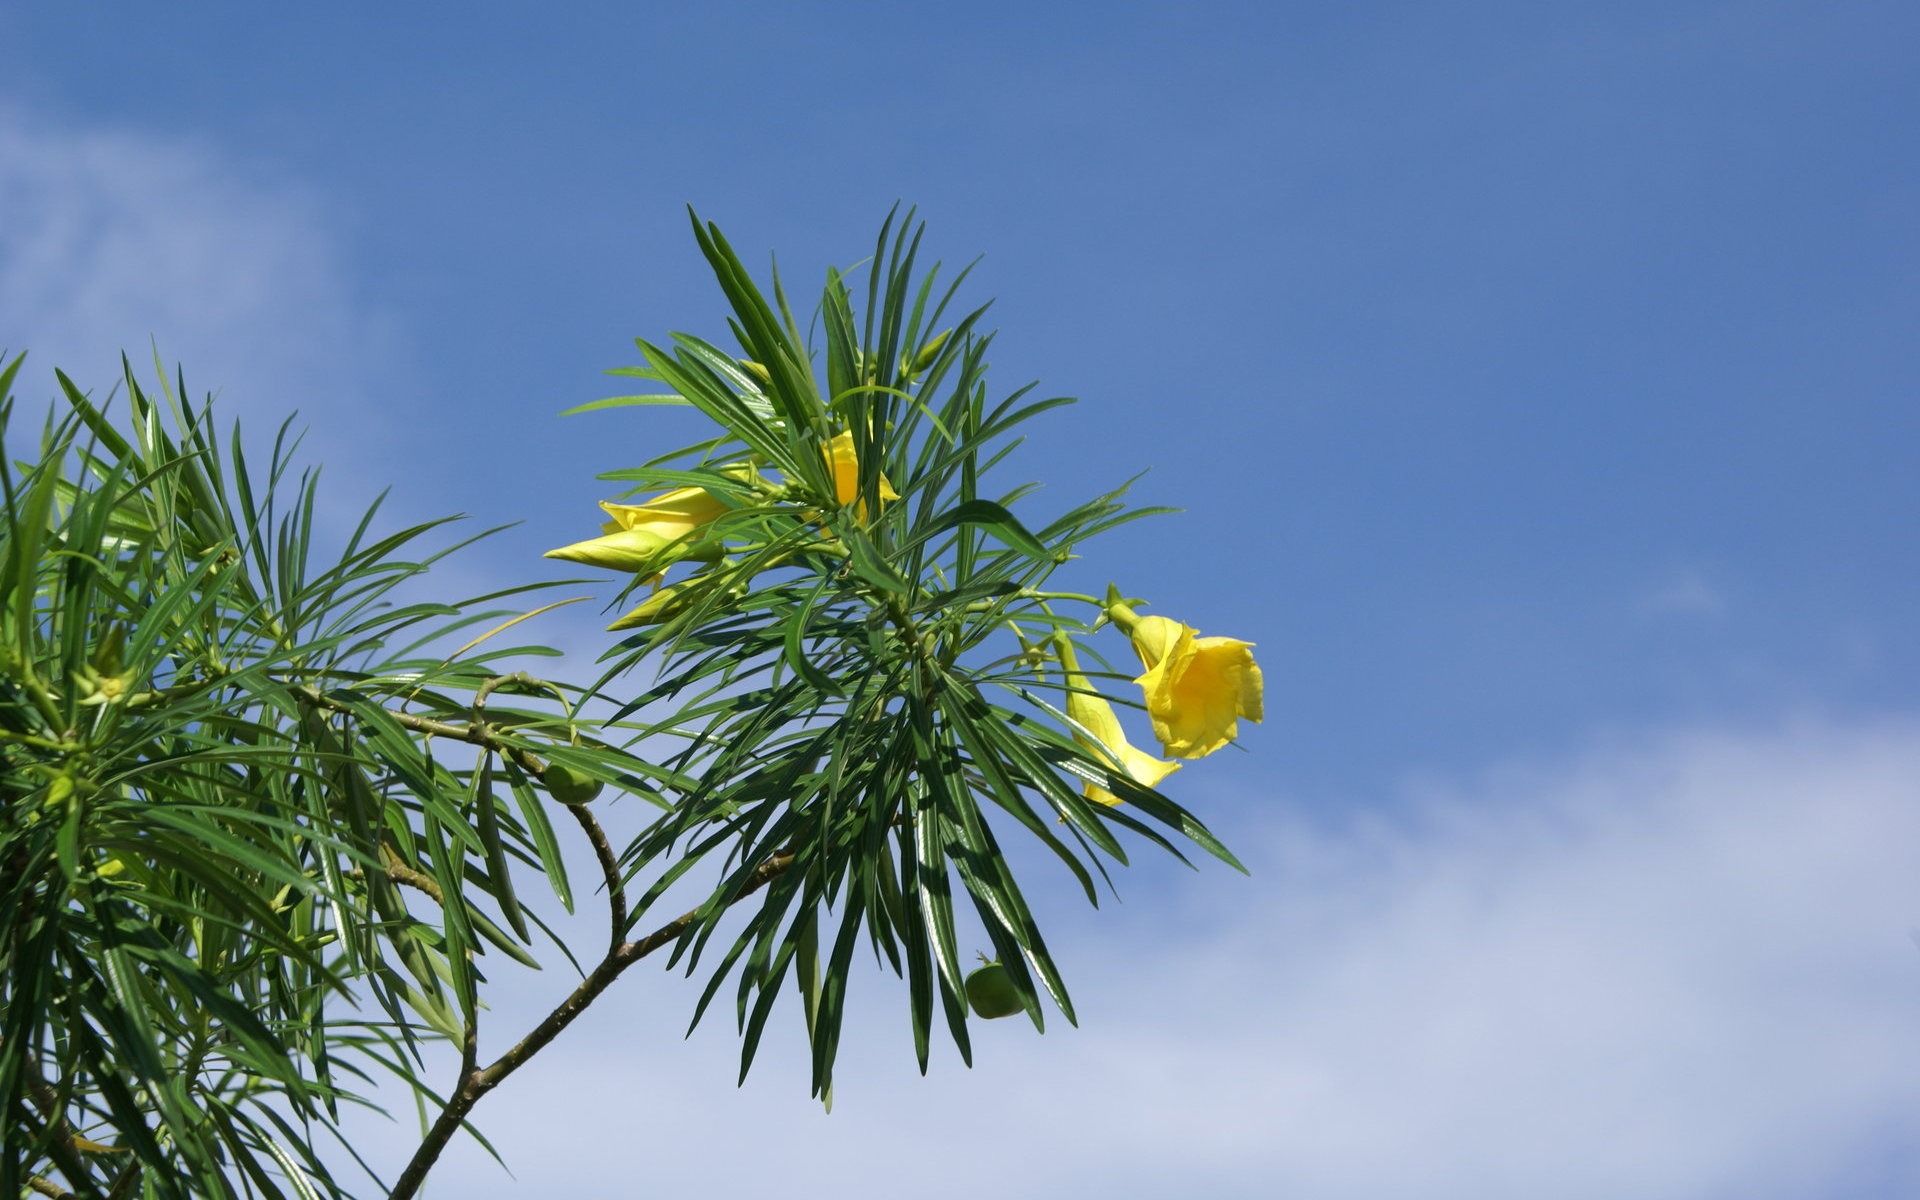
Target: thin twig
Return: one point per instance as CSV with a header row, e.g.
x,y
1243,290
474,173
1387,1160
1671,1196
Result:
x,y
46,1187
475,733
398,871
478,1083
491,685
123,1186
475,1081
609,870
764,874
66,1148
478,732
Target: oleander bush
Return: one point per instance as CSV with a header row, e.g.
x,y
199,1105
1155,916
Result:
x,y
267,818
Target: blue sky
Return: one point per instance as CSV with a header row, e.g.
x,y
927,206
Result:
x,y
1538,380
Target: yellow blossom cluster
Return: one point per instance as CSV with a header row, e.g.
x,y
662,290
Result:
x,y
1196,688
647,538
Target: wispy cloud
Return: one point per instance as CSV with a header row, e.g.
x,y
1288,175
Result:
x,y
1675,969
1687,592
112,241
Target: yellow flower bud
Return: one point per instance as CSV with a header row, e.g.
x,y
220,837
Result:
x,y
930,352
650,536
668,603
632,550
1097,717
671,515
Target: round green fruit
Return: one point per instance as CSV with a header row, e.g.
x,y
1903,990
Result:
x,y
569,786
991,992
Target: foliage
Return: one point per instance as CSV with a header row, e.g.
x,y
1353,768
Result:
x,y
861,682
260,833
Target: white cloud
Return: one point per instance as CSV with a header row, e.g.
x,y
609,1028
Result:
x,y
1687,592
111,242
1677,969
1669,970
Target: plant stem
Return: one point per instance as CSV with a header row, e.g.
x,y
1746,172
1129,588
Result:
x,y
609,870
474,732
476,1083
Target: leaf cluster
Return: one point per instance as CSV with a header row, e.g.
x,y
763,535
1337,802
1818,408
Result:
x,y
858,687
262,833
237,882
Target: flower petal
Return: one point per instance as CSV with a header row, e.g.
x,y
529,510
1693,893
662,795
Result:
x,y
671,514
1097,717
845,465
1155,637
1196,688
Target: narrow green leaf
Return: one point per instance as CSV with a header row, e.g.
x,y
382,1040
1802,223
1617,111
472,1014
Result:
x,y
673,398
487,823
534,814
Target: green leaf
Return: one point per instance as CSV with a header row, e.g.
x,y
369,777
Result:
x,y
533,812
992,518
672,398
487,823
872,566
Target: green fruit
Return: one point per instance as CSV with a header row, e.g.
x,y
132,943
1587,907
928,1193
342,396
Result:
x,y
991,992
569,786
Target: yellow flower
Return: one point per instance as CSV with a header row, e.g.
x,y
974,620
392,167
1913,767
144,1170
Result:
x,y
671,514
1097,717
1197,688
846,473
649,536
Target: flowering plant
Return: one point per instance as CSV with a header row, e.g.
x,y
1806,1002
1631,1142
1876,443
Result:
x,y
867,672
245,788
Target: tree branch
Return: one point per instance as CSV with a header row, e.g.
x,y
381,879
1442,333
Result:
x,y
476,733
478,1083
398,871
67,1147
474,1081
609,870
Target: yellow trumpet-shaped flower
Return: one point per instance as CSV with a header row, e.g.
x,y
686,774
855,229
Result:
x,y
846,472
1196,687
671,514
1097,717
